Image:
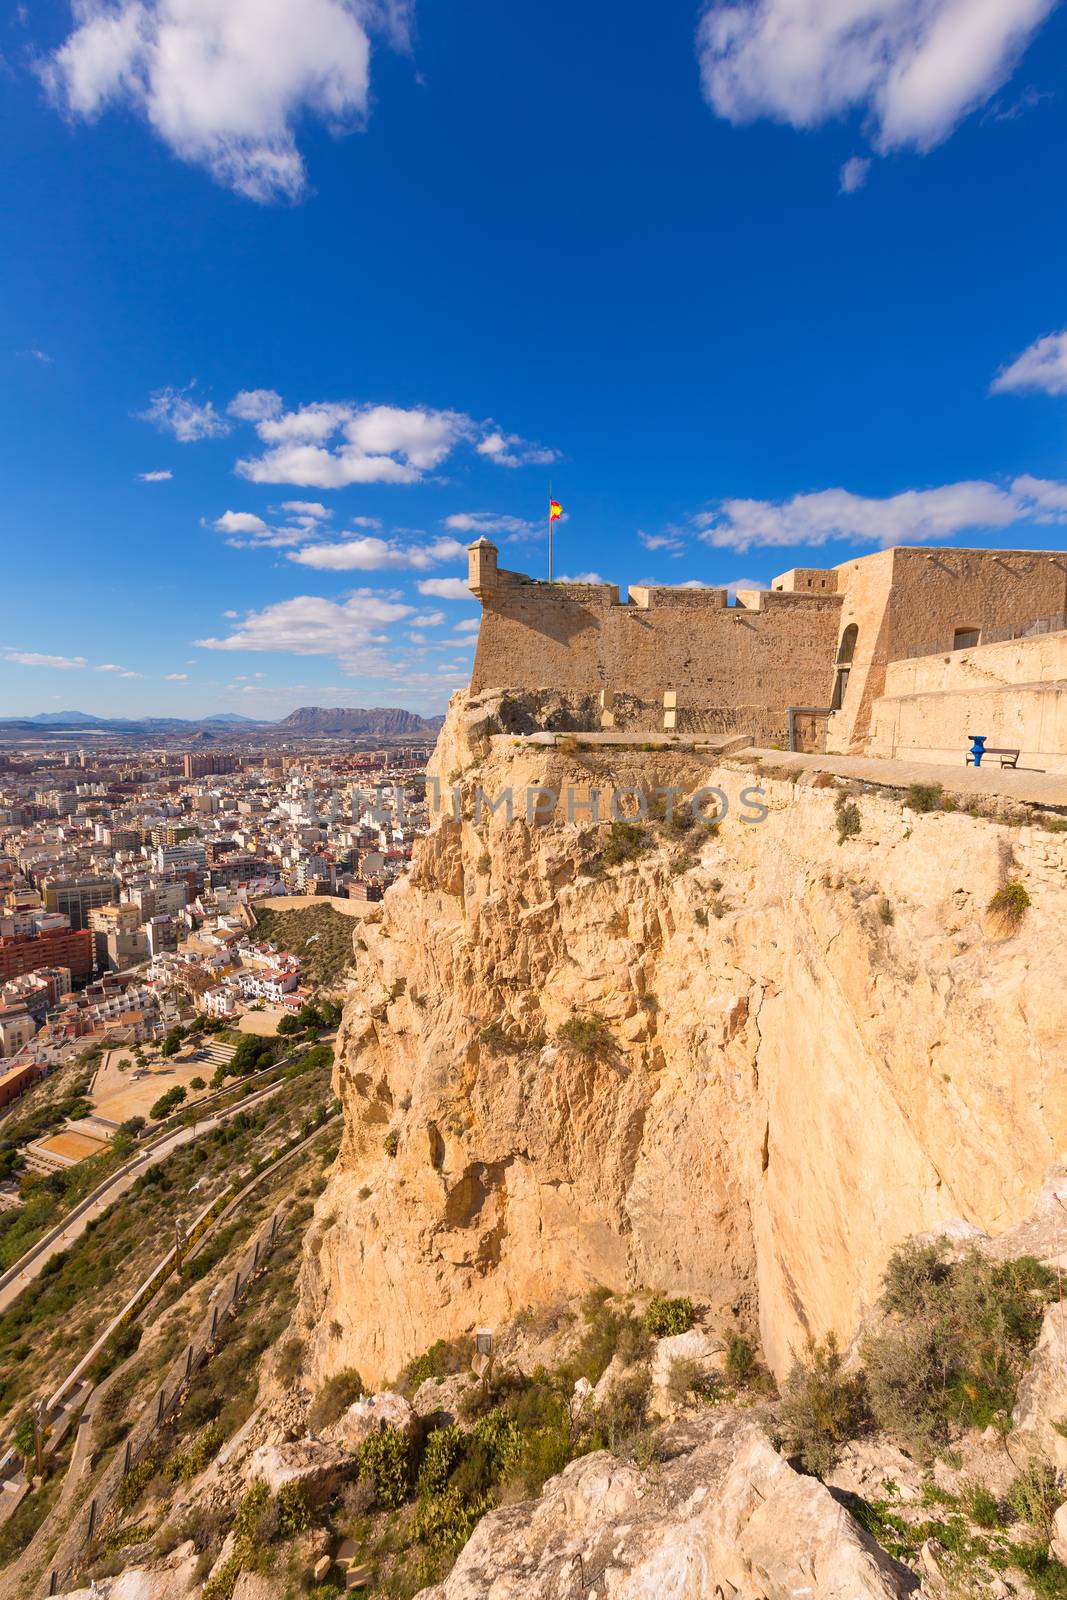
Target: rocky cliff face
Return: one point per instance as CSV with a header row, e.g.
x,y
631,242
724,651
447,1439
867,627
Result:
x,y
812,1050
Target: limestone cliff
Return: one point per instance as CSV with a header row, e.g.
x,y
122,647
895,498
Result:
x,y
816,1049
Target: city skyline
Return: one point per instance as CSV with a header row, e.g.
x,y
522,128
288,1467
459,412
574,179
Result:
x,y
265,378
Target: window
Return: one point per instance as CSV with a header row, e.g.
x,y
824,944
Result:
x,y
966,638
840,685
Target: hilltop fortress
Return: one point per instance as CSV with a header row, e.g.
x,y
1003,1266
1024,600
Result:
x,y
902,653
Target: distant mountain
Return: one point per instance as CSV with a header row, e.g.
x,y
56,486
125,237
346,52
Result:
x,y
384,721
67,718
227,716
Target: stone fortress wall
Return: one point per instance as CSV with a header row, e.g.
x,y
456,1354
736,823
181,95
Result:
x,y
730,666
819,637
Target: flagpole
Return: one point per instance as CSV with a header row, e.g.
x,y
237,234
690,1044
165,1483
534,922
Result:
x,y
550,531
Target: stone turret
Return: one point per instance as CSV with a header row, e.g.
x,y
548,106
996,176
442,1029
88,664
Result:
x,y
482,568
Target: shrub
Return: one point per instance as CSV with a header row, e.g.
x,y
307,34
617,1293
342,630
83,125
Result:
x,y
446,1521
443,1453
955,1341
700,917
294,1513
623,1417
848,818
666,1317
742,1362
290,1360
1034,1497
886,913
823,1407
391,1142
586,1036
335,1397
197,1082
625,842
686,1378
980,1505
387,1459
496,1040
441,1360
1009,906
168,1102
924,796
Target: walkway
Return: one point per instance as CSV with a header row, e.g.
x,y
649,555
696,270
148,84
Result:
x,y
988,782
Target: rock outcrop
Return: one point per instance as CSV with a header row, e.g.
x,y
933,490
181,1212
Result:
x,y
728,1518
810,1050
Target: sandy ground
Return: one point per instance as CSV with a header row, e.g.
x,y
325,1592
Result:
x,y
298,902
117,1095
72,1146
262,1023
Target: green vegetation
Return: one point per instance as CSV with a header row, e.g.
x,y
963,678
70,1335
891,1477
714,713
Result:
x,y
334,1398
625,842
586,1036
60,1313
319,935
822,1407
1009,906
441,1360
925,796
167,1103
847,815
666,1317
311,1018
886,913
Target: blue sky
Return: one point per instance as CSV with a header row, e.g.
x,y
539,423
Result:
x,y
297,295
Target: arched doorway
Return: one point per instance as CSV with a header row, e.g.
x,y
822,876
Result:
x,y
845,652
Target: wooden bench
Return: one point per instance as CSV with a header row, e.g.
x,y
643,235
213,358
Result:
x,y
1008,758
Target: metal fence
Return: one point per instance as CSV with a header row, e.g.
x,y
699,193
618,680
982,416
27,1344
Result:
x,y
1019,630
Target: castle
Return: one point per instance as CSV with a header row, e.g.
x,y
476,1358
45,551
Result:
x,y
903,653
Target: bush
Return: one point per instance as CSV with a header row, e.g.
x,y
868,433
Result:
x,y
290,1360
1009,906
1034,1497
441,1360
955,1341
848,818
742,1362
686,1379
168,1102
623,1417
443,1453
625,842
391,1142
666,1317
387,1460
586,1036
924,796
886,913
197,1083
822,1408
294,1513
334,1398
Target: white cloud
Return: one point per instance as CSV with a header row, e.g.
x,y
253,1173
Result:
x,y
670,542
173,412
307,508
854,174
224,83
376,555
917,516
154,477
915,67
122,672
445,588
32,658
177,677
469,625
366,522
508,450
42,356
240,522
1042,366
487,522
580,577
377,444
254,405
311,626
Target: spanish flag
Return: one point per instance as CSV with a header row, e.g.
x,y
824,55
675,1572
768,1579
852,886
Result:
x,y
555,510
